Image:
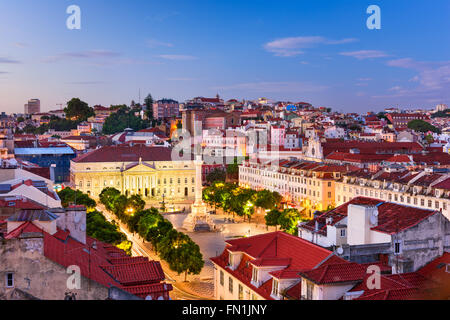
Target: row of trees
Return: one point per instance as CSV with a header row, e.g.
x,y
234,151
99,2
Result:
x,y
286,219
181,253
97,226
243,202
240,201
422,126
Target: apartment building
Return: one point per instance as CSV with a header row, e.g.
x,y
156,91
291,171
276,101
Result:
x,y
307,186
425,189
368,230
166,109
33,106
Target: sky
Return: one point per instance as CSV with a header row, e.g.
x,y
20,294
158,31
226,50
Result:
x,y
318,51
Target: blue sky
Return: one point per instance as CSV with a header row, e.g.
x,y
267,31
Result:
x,y
316,51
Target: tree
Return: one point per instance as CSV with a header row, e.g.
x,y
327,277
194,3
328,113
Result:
x,y
216,175
272,217
107,197
288,220
99,228
429,139
149,103
78,110
422,126
69,196
126,246
20,119
266,199
121,120
441,114
182,254
136,203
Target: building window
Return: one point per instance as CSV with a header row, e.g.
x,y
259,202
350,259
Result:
x,y
10,280
230,284
221,278
342,233
241,292
397,247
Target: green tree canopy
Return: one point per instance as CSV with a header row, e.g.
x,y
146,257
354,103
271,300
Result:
x,y
69,196
149,103
182,254
422,126
78,110
272,217
121,120
216,175
99,228
288,220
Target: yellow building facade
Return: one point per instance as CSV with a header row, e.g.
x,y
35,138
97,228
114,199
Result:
x,y
146,171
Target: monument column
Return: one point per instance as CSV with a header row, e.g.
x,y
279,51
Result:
x,y
198,180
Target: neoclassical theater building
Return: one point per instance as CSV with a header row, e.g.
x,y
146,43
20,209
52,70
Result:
x,y
136,169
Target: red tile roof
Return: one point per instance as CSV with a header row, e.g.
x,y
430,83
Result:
x,y
336,273
278,248
102,263
126,154
392,217
136,273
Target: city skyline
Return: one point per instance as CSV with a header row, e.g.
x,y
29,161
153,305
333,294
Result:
x,y
319,52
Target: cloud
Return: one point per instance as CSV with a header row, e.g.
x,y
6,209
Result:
x,y
364,79
274,87
365,54
21,45
85,82
396,88
181,79
177,57
293,46
4,72
431,75
8,60
342,41
152,43
91,54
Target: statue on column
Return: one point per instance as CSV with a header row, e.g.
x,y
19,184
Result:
x,y
199,219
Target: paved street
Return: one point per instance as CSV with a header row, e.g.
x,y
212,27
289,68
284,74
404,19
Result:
x,y
211,244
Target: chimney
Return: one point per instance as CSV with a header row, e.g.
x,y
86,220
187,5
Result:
x,y
361,218
74,221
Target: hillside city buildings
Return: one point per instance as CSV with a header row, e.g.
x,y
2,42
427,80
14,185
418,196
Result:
x,y
372,190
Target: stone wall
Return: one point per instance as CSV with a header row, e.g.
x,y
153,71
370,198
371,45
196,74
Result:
x,y
38,276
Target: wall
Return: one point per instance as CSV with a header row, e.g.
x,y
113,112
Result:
x,y
39,276
423,242
222,292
